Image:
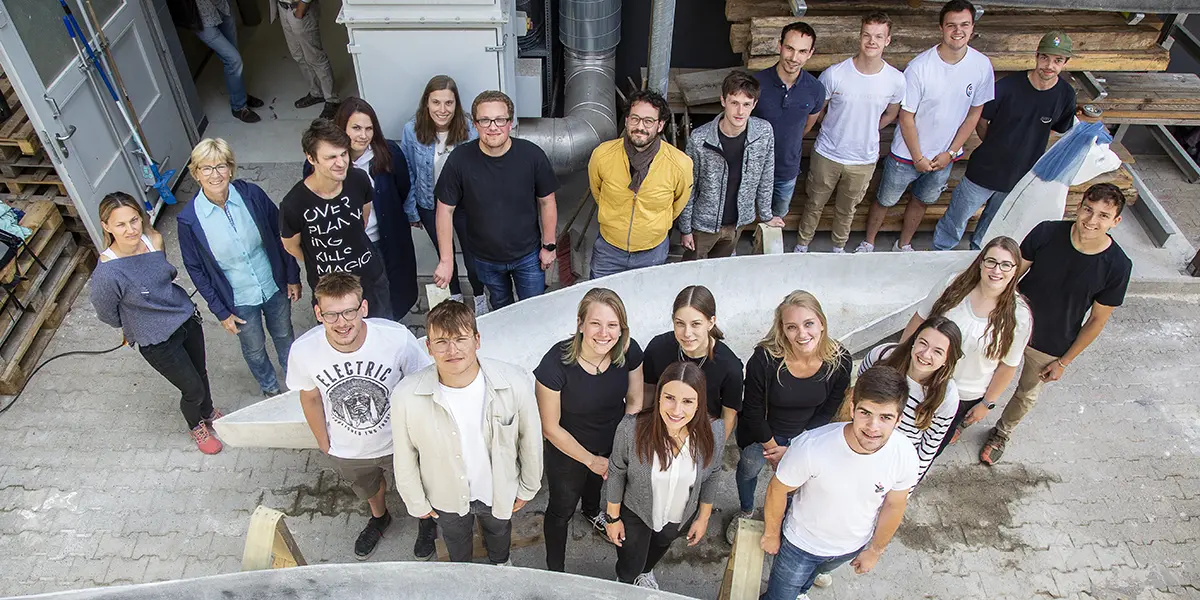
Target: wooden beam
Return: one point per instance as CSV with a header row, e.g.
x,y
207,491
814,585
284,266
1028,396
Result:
x,y
745,567
269,544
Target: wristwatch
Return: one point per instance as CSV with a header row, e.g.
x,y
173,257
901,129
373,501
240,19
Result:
x,y
550,247
609,519
991,405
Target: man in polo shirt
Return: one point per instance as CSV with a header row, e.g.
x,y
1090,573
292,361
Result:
x,y
790,100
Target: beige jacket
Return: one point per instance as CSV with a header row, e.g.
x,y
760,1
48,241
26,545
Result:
x,y
426,454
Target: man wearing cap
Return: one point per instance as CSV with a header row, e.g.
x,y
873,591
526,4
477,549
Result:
x,y
1015,128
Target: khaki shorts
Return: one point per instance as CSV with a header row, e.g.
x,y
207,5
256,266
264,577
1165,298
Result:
x,y
365,475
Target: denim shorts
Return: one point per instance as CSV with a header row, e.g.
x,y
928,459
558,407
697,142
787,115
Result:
x,y
897,176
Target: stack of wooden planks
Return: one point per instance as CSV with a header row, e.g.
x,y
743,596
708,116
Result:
x,y
1146,98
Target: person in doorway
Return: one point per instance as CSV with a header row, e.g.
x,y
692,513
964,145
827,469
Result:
x,y
854,480
345,369
697,339
862,96
641,185
795,381
213,23
1015,128
506,187
323,219
585,385
133,287
438,127
490,464
661,483
946,87
1075,269
790,101
388,222
229,239
301,22
733,157
995,322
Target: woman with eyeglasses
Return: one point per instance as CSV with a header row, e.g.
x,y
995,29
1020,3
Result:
x,y
229,238
995,322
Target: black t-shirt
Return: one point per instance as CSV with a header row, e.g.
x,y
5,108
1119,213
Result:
x,y
332,234
1019,122
776,404
722,372
734,149
1063,283
500,197
590,406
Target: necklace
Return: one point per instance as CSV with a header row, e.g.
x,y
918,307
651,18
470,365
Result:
x,y
684,357
595,366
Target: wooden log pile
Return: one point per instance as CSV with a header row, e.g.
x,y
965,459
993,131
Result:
x,y
1147,98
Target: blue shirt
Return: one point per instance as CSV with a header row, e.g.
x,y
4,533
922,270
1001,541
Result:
x,y
238,247
787,110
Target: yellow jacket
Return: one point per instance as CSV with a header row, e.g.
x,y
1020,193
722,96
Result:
x,y
638,222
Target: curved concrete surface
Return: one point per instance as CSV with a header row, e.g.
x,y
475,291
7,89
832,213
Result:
x,y
866,297
377,581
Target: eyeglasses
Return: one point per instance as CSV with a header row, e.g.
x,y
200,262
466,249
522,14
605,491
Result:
x,y
349,314
442,345
501,122
991,263
647,121
207,170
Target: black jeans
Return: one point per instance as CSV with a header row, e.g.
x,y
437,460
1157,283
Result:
x,y
643,547
569,481
181,360
964,407
429,222
458,532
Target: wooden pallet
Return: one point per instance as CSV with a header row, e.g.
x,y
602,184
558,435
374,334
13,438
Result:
x,y
44,220
37,177
1147,98
17,130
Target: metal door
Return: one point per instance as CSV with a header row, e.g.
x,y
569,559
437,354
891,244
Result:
x,y
69,112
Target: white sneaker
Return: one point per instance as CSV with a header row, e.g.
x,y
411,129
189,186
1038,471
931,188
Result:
x,y
823,580
838,251
800,249
646,580
864,248
481,305
802,597
456,297
507,563
896,247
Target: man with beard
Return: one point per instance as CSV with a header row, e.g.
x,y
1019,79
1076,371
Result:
x,y
1015,128
641,185
855,478
506,186
345,370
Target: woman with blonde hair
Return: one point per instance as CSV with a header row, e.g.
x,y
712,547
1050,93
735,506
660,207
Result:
x,y
229,238
585,385
133,287
795,381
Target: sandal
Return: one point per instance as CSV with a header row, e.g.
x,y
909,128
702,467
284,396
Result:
x,y
992,450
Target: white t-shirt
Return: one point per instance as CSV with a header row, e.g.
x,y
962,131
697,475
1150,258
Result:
x,y
974,371
466,407
670,489
364,163
440,153
940,95
850,132
356,386
834,511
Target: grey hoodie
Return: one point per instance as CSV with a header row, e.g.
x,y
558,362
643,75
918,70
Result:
x,y
703,211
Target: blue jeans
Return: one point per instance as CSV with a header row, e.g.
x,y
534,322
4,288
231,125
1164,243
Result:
x,y
749,466
968,196
525,275
223,40
781,196
794,570
926,187
277,312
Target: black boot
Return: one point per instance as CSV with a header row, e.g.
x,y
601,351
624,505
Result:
x,y
426,535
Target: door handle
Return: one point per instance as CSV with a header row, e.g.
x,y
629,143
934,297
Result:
x,y
61,139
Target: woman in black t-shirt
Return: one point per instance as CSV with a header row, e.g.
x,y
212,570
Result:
x,y
585,386
697,339
795,381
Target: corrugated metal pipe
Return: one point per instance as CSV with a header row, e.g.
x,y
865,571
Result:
x,y
590,31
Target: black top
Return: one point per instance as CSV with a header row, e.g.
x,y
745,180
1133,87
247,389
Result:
x,y
1063,283
500,196
333,237
776,404
590,406
722,372
734,149
1019,122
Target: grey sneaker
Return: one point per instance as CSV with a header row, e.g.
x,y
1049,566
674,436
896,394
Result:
x,y
646,580
481,305
731,531
838,251
896,247
456,297
800,249
864,248
823,580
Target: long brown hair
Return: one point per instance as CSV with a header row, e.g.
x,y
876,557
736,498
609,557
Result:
x,y
776,343
701,299
651,437
608,298
117,200
935,388
426,129
1002,321
381,162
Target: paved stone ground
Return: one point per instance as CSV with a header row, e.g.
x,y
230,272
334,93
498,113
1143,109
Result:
x,y
1099,496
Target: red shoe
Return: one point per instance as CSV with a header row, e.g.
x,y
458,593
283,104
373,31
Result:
x,y
205,440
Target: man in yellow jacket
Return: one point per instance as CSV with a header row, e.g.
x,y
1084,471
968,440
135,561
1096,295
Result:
x,y
641,184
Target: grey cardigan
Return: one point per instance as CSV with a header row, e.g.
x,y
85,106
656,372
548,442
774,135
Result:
x,y
703,211
629,478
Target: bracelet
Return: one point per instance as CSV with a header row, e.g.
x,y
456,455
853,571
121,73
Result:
x,y
1060,364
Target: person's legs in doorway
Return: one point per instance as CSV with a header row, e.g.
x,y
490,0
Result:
x,y
304,42
222,39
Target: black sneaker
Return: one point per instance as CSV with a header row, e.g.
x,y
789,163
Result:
x,y
426,535
369,538
329,110
308,100
253,102
247,116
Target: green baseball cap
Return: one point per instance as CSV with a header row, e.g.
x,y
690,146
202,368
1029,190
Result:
x,y
1056,43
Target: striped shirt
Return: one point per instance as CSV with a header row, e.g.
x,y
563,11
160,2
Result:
x,y
926,441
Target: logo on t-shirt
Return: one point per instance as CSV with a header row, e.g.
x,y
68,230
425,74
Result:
x,y
358,396
970,89
1046,120
878,488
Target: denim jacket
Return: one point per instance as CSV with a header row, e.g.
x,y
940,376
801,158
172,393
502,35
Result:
x,y
420,164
